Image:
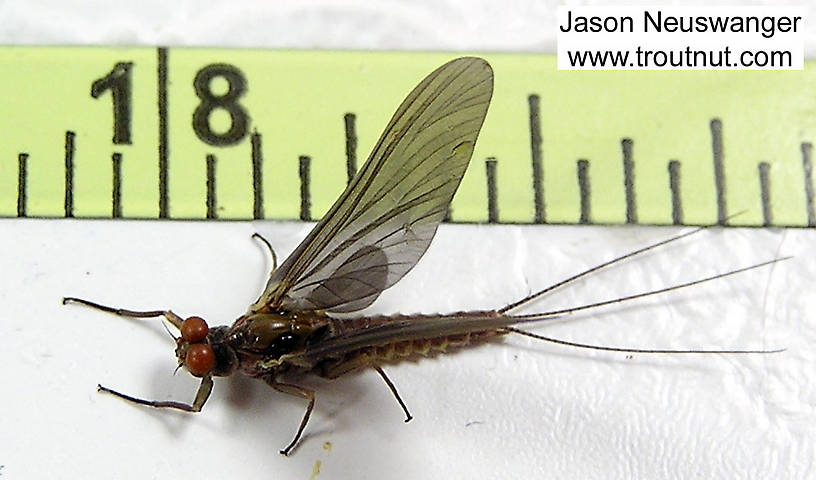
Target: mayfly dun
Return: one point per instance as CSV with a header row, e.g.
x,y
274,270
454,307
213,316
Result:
x,y
371,237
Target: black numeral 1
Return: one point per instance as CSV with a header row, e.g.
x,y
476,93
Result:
x,y
119,83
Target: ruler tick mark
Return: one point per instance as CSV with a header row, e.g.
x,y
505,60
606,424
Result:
x,y
69,173
211,201
116,192
674,186
765,189
629,180
305,197
257,177
807,166
584,191
492,195
22,183
535,154
161,72
349,120
719,170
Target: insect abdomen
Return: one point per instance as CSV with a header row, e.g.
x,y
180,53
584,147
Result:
x,y
399,350
360,342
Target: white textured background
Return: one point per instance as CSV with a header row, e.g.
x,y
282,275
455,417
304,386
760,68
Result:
x,y
517,409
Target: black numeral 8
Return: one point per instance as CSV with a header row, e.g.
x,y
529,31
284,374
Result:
x,y
239,119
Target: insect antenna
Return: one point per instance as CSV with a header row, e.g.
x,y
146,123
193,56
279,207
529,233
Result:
x,y
167,329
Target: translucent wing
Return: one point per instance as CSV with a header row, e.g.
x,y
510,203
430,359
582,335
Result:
x,y
384,221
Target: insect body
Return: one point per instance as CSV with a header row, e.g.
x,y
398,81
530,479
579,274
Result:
x,y
371,237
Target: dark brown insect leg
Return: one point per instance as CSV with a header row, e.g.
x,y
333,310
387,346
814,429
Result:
x,y
297,391
332,371
201,397
408,416
269,247
170,316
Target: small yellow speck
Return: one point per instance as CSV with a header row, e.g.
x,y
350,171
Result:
x,y
315,470
327,446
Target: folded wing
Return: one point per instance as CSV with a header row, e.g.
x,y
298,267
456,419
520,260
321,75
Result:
x,y
385,219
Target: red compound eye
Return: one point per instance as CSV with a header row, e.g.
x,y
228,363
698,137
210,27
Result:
x,y
200,359
194,330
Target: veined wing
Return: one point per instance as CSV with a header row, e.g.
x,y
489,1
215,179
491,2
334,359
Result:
x,y
385,219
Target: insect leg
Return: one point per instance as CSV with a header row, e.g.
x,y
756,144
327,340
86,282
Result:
x,y
269,247
337,369
170,316
393,389
297,391
201,397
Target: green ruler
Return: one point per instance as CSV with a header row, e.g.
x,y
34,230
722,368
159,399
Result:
x,y
243,134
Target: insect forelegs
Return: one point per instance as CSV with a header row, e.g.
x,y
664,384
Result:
x,y
170,316
269,247
201,397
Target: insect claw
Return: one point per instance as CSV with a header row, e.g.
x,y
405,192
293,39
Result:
x,y
288,449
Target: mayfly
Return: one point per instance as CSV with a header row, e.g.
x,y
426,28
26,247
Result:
x,y
371,237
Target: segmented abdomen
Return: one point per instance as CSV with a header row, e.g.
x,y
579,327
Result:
x,y
359,342
398,350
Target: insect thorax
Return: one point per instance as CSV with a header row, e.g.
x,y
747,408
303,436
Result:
x,y
260,339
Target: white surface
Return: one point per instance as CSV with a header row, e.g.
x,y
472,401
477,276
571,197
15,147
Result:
x,y
515,409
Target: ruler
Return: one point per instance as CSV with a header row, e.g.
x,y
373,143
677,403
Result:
x,y
159,133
